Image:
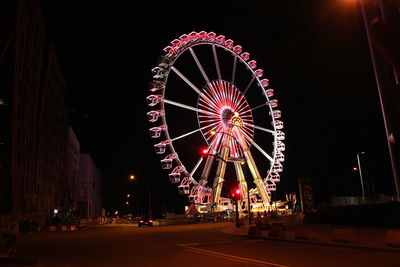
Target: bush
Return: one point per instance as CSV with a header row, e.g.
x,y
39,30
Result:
x,y
378,215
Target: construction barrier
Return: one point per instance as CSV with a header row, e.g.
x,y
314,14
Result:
x,y
343,235
255,231
392,238
277,230
304,233
53,228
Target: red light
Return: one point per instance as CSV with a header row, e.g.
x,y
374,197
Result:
x,y
150,221
141,221
204,151
236,194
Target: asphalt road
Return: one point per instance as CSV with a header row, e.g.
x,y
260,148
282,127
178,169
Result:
x,y
202,245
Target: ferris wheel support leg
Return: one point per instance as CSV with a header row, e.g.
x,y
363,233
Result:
x,y
252,166
209,162
242,183
256,176
207,169
219,177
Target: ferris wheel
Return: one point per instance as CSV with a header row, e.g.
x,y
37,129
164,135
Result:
x,y
223,116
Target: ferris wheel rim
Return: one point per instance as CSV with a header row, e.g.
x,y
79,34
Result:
x,y
162,105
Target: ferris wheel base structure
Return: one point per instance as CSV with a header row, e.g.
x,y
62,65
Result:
x,y
226,119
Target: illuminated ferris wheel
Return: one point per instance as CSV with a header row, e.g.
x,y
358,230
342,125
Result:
x,y
231,109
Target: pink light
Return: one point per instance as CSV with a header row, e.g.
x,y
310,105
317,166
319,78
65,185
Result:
x,y
229,43
211,36
252,64
203,35
245,56
259,73
264,82
220,39
237,49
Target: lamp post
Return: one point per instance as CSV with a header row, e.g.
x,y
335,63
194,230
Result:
x,y
360,172
248,195
132,178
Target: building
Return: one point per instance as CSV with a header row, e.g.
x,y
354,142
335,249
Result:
x,y
72,174
57,146
89,188
22,61
39,153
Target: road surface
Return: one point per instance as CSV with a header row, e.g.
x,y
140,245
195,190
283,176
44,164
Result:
x,y
202,245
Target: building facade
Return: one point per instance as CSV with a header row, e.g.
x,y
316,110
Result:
x,y
72,172
89,189
39,152
22,60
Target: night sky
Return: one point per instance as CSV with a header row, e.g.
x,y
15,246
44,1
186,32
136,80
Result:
x,y
315,53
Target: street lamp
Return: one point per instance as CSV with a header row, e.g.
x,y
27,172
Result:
x,y
386,119
132,177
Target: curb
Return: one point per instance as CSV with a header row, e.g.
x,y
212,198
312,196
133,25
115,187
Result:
x,y
62,228
321,243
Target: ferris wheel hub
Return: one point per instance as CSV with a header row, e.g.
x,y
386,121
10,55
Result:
x,y
226,115
223,100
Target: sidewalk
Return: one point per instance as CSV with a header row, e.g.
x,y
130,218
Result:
x,y
365,237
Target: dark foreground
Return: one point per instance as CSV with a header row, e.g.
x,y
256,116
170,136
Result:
x,y
187,245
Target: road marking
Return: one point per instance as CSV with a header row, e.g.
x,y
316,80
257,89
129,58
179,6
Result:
x,y
231,257
252,240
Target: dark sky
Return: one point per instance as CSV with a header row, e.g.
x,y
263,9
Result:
x,y
315,54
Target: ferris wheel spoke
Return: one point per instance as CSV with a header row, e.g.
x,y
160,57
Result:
x,y
186,80
174,103
261,150
216,62
248,86
195,167
199,65
260,128
189,133
234,70
259,106
209,107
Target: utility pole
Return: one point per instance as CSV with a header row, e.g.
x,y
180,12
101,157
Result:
x,y
237,213
248,204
